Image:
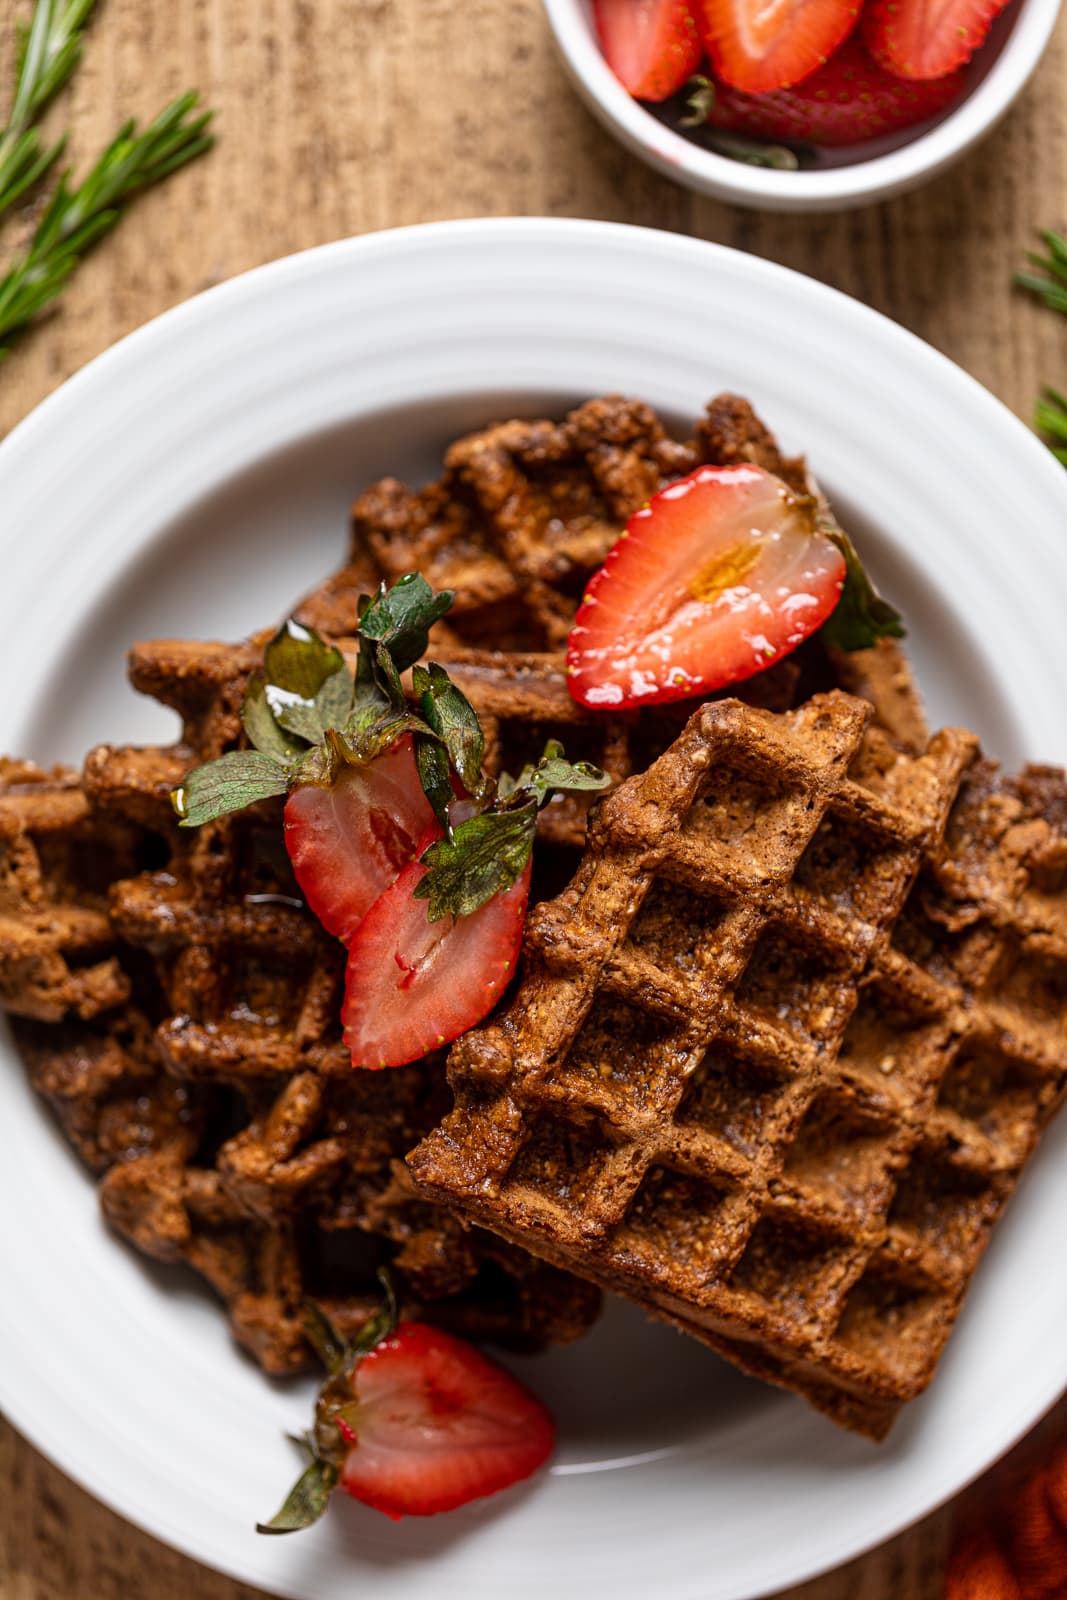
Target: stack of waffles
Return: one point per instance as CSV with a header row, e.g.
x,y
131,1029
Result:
x,y
781,1049
782,1041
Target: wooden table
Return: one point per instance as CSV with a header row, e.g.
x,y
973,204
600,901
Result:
x,y
342,116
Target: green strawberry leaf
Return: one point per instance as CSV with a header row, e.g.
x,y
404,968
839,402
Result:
x,y
401,618
306,1500
383,1322
334,699
298,662
230,783
435,775
553,774
304,713
296,716
372,731
861,617
324,1338
485,856
260,724
451,716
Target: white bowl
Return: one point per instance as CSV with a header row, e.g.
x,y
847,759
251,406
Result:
x,y
195,479
858,176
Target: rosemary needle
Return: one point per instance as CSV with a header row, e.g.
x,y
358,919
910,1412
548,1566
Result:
x,y
1049,283
47,53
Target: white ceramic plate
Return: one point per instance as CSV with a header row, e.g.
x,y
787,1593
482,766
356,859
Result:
x,y
195,480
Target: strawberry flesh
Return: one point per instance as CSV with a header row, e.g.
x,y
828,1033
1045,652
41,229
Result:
x,y
411,984
348,842
926,38
759,46
721,574
850,99
438,1424
652,46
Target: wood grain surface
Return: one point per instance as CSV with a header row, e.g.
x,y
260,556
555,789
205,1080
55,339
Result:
x,y
341,116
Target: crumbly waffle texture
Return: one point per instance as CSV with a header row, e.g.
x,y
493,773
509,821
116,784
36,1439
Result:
x,y
782,1048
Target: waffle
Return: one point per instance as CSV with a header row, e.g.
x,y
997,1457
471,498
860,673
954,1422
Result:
x,y
56,861
524,513
301,1189
761,1077
187,1039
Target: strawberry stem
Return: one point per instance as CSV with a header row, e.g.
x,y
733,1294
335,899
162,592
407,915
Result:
x,y
326,1444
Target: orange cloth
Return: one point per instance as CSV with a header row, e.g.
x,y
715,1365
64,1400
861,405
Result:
x,y
1020,1550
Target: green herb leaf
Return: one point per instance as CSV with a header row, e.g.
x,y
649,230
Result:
x,y
228,784
334,699
700,100
451,716
554,774
295,716
484,856
310,719
1050,417
753,152
401,618
306,1500
1050,282
700,103
373,730
435,776
383,1322
261,725
299,662
861,617
324,1338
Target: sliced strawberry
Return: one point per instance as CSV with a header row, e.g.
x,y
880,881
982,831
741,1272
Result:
x,y
652,46
436,1424
849,99
720,575
413,984
926,38
759,45
348,842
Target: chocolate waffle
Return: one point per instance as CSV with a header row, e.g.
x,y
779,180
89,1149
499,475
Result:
x,y
56,862
759,1078
300,1189
523,514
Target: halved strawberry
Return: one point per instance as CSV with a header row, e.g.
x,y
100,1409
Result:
x,y
652,46
759,45
349,841
435,1424
719,575
850,99
412,984
926,38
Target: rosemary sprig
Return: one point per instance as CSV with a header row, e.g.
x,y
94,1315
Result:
x,y
1050,285
76,218
1050,417
47,53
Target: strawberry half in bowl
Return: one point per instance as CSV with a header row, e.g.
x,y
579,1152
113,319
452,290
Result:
x,y
811,119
